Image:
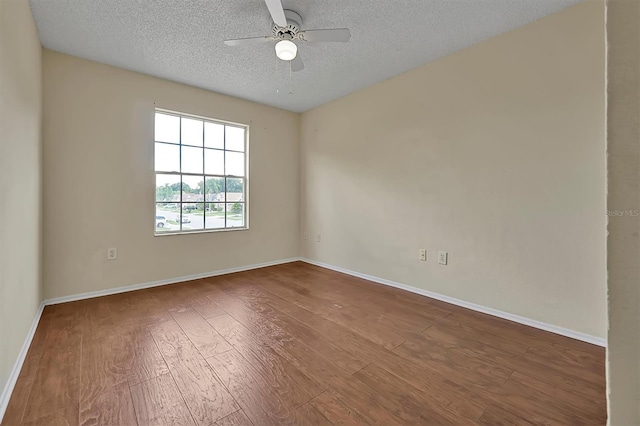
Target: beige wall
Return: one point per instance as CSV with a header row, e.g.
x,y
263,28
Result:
x,y
623,243
494,154
20,179
99,180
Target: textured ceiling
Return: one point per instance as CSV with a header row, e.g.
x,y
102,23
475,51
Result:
x,y
183,40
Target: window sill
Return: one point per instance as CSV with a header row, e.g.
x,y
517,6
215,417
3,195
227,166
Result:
x,y
199,231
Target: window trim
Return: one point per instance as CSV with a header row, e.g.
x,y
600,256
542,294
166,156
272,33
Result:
x,y
245,202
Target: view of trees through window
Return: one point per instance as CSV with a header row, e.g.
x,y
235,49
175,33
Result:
x,y
200,174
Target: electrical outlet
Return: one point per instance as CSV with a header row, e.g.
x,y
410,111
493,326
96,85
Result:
x,y
112,254
305,236
318,238
422,255
443,257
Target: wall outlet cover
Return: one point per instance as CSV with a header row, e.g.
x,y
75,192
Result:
x,y
112,254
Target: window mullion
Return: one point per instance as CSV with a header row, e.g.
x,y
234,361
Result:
x,y
204,183
181,189
224,170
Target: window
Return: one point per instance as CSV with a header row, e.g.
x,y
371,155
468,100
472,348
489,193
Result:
x,y
201,178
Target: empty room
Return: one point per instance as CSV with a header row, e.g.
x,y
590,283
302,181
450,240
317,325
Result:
x,y
264,212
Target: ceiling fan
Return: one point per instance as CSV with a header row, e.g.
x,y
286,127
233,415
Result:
x,y
287,28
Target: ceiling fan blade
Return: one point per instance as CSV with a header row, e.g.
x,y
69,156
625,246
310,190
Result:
x,y
296,63
277,12
337,34
247,41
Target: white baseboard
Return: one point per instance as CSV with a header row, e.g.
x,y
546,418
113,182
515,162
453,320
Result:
x,y
107,292
474,307
494,312
15,372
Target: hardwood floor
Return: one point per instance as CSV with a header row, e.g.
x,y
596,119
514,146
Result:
x,y
298,344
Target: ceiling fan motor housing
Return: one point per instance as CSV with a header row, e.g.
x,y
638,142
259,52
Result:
x,y
294,23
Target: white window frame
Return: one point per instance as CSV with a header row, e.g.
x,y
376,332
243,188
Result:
x,y
204,175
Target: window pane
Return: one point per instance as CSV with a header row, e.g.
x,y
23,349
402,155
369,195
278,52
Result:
x,y
167,128
214,189
192,194
213,162
235,215
167,157
234,163
164,219
235,190
191,132
235,138
168,189
191,159
213,135
214,216
175,217
192,189
193,216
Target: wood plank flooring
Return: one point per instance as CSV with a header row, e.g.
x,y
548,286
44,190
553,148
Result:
x,y
298,344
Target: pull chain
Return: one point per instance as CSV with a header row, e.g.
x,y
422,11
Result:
x,y
290,89
275,72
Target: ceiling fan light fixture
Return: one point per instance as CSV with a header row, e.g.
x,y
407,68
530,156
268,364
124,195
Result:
x,y
286,50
